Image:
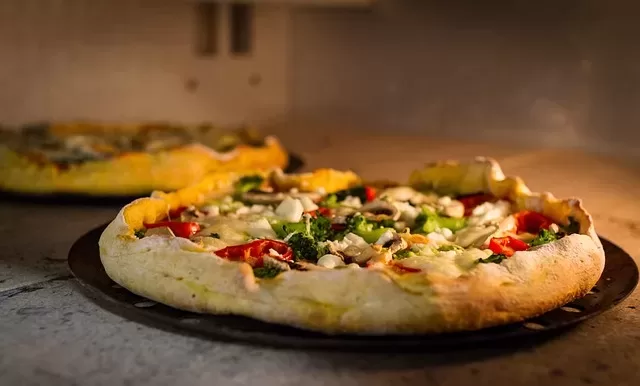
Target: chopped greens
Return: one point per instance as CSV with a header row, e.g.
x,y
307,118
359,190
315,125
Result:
x,y
140,233
403,254
495,258
428,221
332,199
248,183
452,247
545,236
266,272
215,235
320,228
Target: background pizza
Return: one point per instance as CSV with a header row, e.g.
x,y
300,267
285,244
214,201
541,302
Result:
x,y
104,159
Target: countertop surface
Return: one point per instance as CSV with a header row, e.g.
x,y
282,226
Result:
x,y
52,334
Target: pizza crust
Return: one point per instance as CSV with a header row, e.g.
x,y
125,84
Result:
x,y
360,301
135,173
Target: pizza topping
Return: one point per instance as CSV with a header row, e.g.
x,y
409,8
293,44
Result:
x,y
253,253
379,210
305,247
489,212
275,231
531,222
573,226
248,183
429,221
370,231
90,142
494,258
362,193
179,229
545,236
474,236
470,202
290,209
330,261
507,245
159,231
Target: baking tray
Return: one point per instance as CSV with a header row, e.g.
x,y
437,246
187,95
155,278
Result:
x,y
618,280
295,163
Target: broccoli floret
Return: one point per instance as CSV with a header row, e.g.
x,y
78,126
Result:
x,y
370,231
320,228
428,221
266,272
495,258
248,183
332,199
305,247
545,236
386,223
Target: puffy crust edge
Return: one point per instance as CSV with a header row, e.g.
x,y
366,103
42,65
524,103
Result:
x,y
135,173
177,273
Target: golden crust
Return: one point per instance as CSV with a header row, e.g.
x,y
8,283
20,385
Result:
x,y
135,173
176,272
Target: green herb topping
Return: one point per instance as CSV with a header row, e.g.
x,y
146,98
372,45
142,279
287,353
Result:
x,y
266,272
248,183
495,258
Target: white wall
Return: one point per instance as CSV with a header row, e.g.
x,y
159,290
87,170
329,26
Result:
x,y
546,72
134,60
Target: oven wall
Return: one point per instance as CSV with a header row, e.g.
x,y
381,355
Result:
x,y
545,73
136,60
541,73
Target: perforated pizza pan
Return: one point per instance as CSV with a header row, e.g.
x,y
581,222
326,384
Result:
x,y
618,280
295,164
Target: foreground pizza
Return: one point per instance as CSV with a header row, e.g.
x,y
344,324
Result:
x,y
460,247
97,159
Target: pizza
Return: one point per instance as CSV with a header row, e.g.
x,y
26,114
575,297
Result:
x,y
103,159
457,247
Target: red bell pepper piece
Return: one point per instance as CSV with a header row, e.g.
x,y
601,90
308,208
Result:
x,y
253,252
402,269
507,245
473,200
370,193
179,228
322,211
531,222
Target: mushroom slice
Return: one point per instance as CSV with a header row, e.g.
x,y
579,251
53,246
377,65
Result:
x,y
159,231
271,198
474,236
191,213
396,244
379,210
